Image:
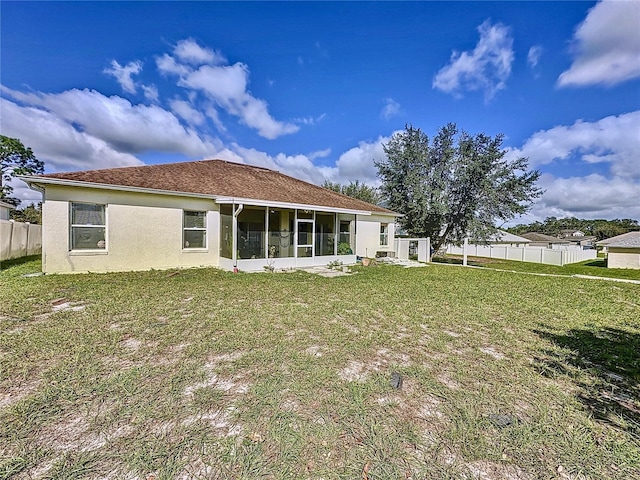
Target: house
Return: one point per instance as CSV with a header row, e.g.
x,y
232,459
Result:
x,y
584,241
571,233
506,239
545,241
623,250
4,210
204,213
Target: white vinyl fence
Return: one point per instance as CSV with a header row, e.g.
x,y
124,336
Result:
x,y
526,254
404,247
19,239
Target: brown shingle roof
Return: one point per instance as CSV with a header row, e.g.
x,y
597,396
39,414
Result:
x,y
541,237
219,178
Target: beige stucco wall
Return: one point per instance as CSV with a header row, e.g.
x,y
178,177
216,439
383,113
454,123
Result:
x,y
623,257
368,235
144,231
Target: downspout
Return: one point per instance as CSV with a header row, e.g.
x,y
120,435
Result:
x,y
234,225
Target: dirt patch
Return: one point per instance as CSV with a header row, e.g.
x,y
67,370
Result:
x,y
493,352
314,351
486,470
219,420
15,393
447,381
451,333
358,370
234,385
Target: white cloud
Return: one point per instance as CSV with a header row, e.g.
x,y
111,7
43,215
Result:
x,y
485,68
115,121
167,65
612,140
533,57
592,196
57,143
391,109
190,52
606,46
150,92
185,111
226,85
123,74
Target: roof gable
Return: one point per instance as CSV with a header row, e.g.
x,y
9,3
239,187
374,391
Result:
x,y
218,178
630,239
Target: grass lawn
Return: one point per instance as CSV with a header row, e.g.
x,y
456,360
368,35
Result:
x,y
207,374
595,268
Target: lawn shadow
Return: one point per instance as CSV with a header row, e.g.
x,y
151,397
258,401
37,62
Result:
x,y
606,367
14,262
598,262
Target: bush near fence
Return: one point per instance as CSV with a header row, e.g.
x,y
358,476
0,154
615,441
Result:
x,y
527,254
19,239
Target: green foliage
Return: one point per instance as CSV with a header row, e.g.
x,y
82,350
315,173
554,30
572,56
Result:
x,y
344,248
355,190
599,228
456,185
15,159
30,213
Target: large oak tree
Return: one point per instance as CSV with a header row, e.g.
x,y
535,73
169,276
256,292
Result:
x,y
455,185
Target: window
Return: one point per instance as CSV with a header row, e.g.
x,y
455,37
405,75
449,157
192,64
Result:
x,y
88,226
384,234
194,230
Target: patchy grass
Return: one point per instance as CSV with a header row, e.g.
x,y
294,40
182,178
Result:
x,y
206,374
596,267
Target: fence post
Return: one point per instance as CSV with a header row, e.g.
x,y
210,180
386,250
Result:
x,y
464,252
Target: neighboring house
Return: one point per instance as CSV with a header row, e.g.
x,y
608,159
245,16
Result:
x,y
582,241
545,241
506,239
623,250
571,233
205,213
4,210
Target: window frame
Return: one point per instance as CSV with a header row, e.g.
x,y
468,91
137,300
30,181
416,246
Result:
x,y
72,226
384,234
195,229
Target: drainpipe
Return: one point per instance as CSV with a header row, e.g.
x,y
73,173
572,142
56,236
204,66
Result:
x,y
234,225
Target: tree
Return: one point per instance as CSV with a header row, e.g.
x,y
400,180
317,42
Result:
x,y
455,186
15,159
31,214
355,190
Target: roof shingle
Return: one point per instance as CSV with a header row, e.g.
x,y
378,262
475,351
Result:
x,y
219,178
630,239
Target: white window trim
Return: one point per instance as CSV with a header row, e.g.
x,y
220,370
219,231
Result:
x,y
88,251
204,229
384,234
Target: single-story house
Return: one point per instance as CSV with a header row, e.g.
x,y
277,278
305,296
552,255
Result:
x,y
203,213
546,241
623,250
506,239
585,241
571,233
4,210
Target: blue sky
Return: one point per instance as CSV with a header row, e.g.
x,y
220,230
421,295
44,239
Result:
x,y
315,89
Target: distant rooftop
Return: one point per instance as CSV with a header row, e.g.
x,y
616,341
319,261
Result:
x,y
630,239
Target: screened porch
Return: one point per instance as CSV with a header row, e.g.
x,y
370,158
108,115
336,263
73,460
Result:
x,y
252,237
